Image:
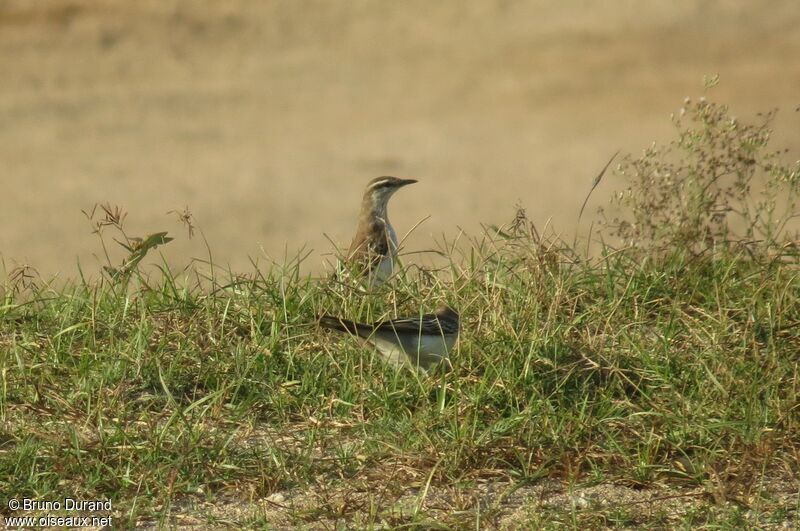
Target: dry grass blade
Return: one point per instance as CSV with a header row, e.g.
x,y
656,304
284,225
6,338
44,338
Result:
x,y
596,183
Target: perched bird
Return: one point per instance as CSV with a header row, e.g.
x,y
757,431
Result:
x,y
421,341
373,251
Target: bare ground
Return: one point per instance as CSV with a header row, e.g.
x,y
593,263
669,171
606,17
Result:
x,y
493,503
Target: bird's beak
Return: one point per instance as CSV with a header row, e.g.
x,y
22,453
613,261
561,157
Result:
x,y
404,182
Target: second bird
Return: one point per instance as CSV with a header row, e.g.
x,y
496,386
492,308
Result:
x,y
373,251
423,341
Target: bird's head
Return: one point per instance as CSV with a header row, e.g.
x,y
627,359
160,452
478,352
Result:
x,y
446,312
380,189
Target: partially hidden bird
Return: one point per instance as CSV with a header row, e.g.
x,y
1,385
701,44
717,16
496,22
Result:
x,y
373,251
421,341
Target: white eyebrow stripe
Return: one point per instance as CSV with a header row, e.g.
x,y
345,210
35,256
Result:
x,y
379,183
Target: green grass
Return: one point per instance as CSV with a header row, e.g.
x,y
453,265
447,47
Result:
x,y
591,371
663,369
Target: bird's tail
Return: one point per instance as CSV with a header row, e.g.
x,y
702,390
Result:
x,y
344,325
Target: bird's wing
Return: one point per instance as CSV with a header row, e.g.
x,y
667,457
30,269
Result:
x,y
370,250
345,325
448,326
428,324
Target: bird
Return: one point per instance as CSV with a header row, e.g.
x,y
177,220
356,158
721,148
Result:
x,y
422,341
373,251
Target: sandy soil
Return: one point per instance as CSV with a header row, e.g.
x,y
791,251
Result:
x,y
497,505
267,118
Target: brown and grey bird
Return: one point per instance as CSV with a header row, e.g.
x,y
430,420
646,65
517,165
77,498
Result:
x,y
373,251
421,341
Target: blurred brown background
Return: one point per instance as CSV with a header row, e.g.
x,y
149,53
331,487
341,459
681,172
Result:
x,y
266,118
